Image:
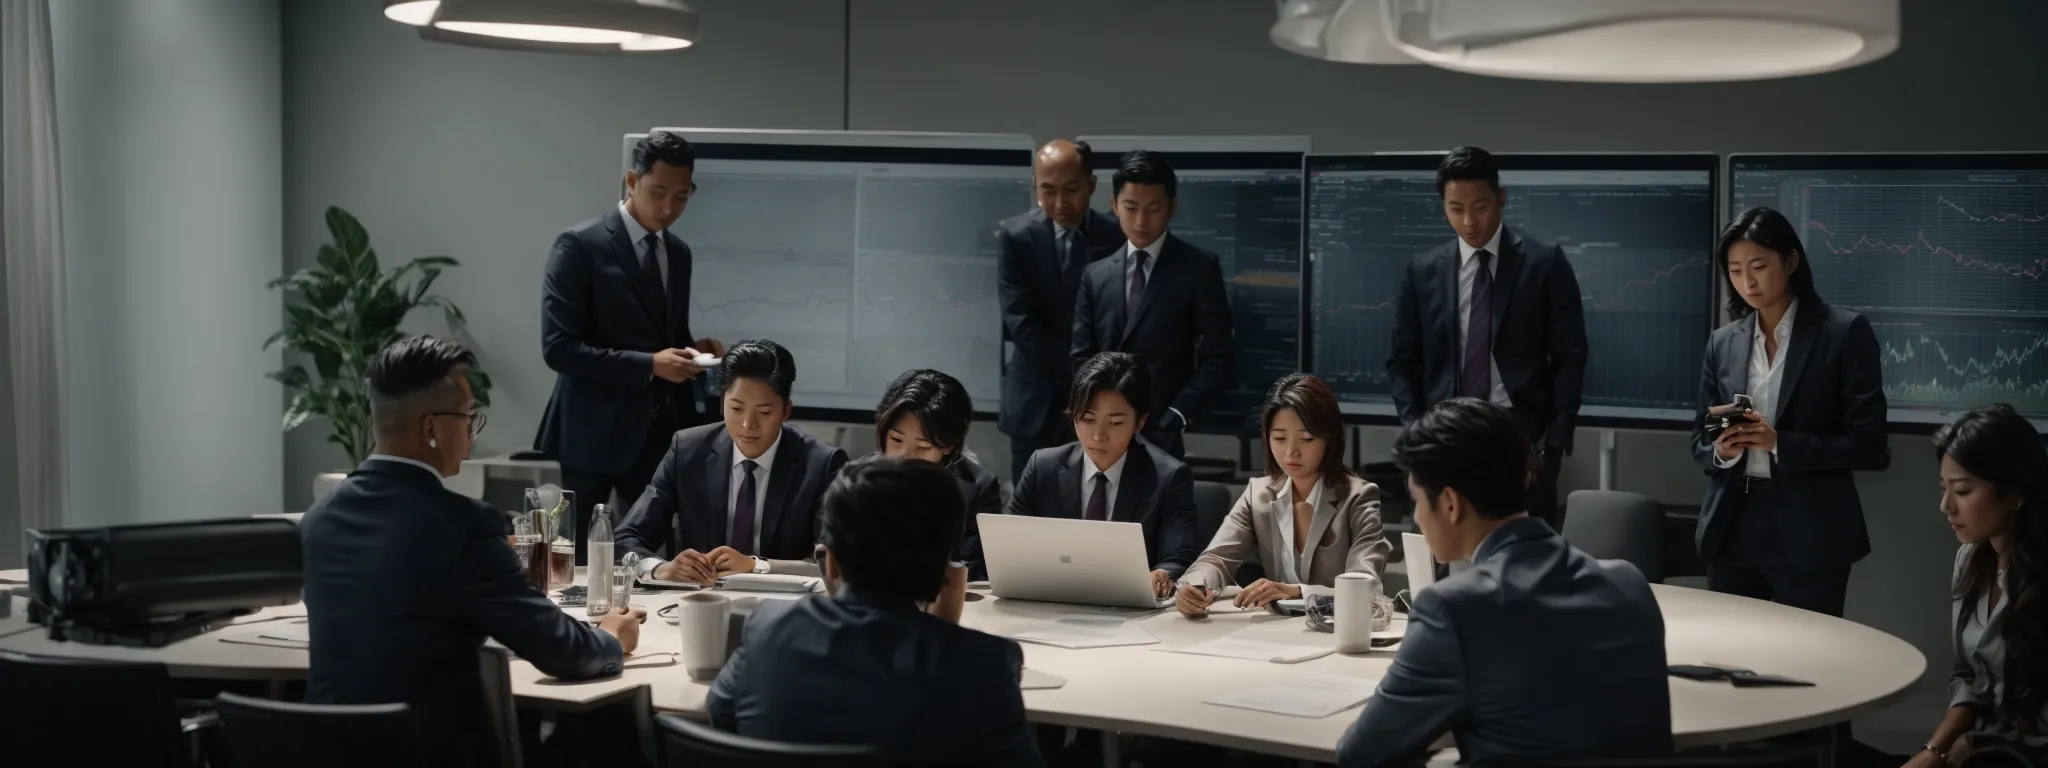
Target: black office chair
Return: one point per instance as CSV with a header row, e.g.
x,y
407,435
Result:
x,y
89,712
1617,525
261,733
1212,505
686,745
501,714
1764,756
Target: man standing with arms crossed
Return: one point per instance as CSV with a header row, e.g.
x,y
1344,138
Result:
x,y
615,327
1044,252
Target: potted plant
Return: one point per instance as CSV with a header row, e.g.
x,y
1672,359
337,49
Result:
x,y
338,314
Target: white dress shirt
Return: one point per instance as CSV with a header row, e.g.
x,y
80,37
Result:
x,y
638,234
1766,380
404,460
1115,473
1468,276
1296,563
1131,269
732,499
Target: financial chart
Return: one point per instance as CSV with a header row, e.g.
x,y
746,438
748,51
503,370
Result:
x,y
862,269
1945,254
1638,238
1251,219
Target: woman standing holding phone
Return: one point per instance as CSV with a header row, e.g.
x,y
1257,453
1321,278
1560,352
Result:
x,y
1799,385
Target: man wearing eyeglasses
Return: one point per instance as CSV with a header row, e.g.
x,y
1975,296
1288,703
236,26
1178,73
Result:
x,y
615,327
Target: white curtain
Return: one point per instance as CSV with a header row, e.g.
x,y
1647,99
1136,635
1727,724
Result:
x,y
32,251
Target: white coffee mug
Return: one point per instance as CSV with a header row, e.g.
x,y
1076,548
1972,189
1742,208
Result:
x,y
702,620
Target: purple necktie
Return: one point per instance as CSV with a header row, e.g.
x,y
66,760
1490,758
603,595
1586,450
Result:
x,y
743,511
1134,288
1476,377
1098,499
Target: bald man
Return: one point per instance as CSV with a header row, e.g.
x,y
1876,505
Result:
x,y
1044,252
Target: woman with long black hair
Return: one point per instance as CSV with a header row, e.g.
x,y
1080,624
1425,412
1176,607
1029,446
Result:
x,y
1994,478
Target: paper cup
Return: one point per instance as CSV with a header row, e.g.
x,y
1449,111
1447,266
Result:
x,y
702,620
1355,592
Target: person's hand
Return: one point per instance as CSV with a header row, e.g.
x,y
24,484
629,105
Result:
x,y
624,623
676,365
952,596
1758,434
1192,600
688,566
726,561
1961,751
1923,759
710,346
1265,591
1162,584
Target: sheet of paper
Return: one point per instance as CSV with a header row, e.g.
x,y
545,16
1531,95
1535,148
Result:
x,y
295,631
265,635
1034,680
1311,697
1232,647
666,584
771,582
1087,632
639,660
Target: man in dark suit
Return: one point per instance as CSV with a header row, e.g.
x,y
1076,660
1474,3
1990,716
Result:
x,y
1160,298
405,578
867,665
1536,652
1044,253
615,327
1492,315
742,495
1110,474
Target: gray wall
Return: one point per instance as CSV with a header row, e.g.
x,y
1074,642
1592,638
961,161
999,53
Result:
x,y
484,155
170,145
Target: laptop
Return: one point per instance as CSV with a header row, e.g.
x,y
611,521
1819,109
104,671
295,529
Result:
x,y
1059,560
1414,552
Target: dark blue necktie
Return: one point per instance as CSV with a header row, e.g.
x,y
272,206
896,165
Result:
x,y
1476,377
743,511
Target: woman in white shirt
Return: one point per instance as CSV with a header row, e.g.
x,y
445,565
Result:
x,y
1994,476
1306,521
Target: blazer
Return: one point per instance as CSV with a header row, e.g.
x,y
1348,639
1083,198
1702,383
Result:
x,y
692,493
599,333
1537,651
404,580
861,669
1539,336
984,494
1037,286
1182,330
1157,492
1346,532
1830,420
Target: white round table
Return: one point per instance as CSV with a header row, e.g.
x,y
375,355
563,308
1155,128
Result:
x,y
1136,689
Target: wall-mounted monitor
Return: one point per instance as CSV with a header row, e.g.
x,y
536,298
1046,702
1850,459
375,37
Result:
x,y
1638,230
1946,254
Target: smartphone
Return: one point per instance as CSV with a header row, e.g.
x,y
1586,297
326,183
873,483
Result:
x,y
1719,421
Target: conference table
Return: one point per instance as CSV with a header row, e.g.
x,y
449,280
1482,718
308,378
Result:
x,y
1141,690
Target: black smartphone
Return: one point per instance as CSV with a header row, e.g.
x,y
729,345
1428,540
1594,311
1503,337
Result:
x,y
1718,421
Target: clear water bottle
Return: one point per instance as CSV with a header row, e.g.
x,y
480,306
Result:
x,y
598,593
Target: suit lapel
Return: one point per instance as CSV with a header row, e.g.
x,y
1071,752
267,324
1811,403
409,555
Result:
x,y
678,292
1506,272
1113,302
1326,511
718,486
1447,276
1070,484
1136,483
1161,272
1735,374
780,479
623,254
1805,331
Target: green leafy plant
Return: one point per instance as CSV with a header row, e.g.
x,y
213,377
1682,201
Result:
x,y
340,313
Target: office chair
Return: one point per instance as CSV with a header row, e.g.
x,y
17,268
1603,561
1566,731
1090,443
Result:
x,y
261,733
501,715
1212,505
91,712
1617,525
686,744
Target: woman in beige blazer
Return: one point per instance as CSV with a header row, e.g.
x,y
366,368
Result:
x,y
1306,521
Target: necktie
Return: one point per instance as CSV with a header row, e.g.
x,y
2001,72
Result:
x,y
1064,245
1134,288
650,265
1098,499
1476,377
743,511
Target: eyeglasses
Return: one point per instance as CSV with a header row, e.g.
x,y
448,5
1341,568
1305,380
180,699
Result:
x,y
476,420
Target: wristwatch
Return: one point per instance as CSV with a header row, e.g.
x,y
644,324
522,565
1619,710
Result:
x,y
760,565
1943,756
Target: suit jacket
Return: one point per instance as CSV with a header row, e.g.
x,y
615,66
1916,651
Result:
x,y
1037,285
1539,336
1538,651
599,332
404,580
1345,531
984,493
1182,332
1830,420
692,490
1157,492
861,669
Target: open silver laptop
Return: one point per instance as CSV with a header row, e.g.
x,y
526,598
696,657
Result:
x,y
1058,560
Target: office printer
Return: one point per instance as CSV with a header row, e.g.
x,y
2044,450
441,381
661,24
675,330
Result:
x,y
154,584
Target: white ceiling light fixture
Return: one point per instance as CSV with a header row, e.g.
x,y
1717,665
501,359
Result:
x,y
1345,31
1643,41
575,26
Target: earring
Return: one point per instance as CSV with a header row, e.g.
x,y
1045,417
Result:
x,y
432,443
